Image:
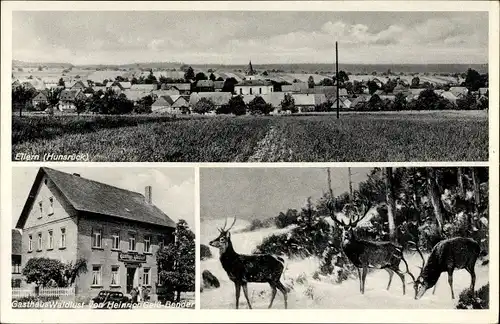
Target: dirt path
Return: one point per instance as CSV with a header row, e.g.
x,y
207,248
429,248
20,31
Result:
x,y
272,148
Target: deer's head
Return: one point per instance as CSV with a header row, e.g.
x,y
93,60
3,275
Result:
x,y
224,239
348,229
420,285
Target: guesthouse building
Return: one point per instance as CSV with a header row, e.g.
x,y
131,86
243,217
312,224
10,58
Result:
x,y
116,231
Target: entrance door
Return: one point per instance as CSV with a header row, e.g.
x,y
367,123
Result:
x,y
130,279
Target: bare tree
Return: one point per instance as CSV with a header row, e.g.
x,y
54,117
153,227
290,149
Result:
x,y
434,196
391,208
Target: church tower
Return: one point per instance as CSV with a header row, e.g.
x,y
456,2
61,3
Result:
x,y
250,72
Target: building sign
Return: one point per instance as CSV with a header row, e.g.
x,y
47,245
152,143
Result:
x,y
131,257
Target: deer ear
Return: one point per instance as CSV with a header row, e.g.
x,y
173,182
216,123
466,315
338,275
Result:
x,y
228,234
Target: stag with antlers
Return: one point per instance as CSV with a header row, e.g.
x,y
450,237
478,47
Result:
x,y
366,254
446,256
242,269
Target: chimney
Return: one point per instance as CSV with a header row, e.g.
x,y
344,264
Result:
x,y
148,195
76,174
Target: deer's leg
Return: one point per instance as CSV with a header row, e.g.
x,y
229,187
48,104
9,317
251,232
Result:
x,y
450,281
284,291
365,271
237,286
402,276
273,293
360,280
391,273
245,292
472,277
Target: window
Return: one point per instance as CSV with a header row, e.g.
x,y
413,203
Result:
x,y
146,278
115,276
250,90
96,238
40,207
16,267
147,244
260,90
63,238
50,244
51,206
241,90
39,247
131,242
30,243
96,275
115,244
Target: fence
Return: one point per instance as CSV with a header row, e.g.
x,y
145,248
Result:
x,y
45,292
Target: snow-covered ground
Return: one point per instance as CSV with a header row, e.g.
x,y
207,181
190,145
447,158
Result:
x,y
324,293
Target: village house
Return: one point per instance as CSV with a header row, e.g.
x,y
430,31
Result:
x,y
174,104
307,102
67,99
218,98
116,231
39,98
184,88
257,87
143,87
218,85
450,96
78,85
16,258
296,87
205,86
459,92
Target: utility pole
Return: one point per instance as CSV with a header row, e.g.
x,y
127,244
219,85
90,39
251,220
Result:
x,y
337,76
350,183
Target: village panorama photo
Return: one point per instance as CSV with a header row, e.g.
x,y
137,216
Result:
x,y
249,86
103,238
344,238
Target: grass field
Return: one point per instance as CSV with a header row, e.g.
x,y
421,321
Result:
x,y
424,136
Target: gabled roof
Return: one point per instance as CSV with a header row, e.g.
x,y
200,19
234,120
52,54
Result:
x,y
218,84
483,91
305,99
125,84
69,95
164,101
360,99
98,199
254,83
17,242
218,98
458,91
294,87
448,95
135,95
143,87
205,84
181,86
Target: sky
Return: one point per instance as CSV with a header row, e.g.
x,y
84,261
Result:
x,y
248,193
235,37
172,188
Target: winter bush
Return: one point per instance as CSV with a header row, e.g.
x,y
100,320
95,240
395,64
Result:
x,y
479,299
205,252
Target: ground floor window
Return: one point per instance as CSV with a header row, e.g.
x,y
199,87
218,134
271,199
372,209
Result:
x,y
96,275
115,276
146,277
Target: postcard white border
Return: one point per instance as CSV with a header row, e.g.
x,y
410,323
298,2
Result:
x,y
232,316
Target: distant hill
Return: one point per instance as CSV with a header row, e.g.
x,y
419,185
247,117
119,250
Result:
x,y
22,64
320,68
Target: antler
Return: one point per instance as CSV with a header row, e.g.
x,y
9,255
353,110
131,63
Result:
x,y
363,213
223,229
419,252
331,207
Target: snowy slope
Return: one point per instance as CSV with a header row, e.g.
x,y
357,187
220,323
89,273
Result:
x,y
324,293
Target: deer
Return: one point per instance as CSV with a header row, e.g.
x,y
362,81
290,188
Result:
x,y
242,269
446,256
366,254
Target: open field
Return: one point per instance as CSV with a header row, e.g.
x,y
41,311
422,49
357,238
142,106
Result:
x,y
408,136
